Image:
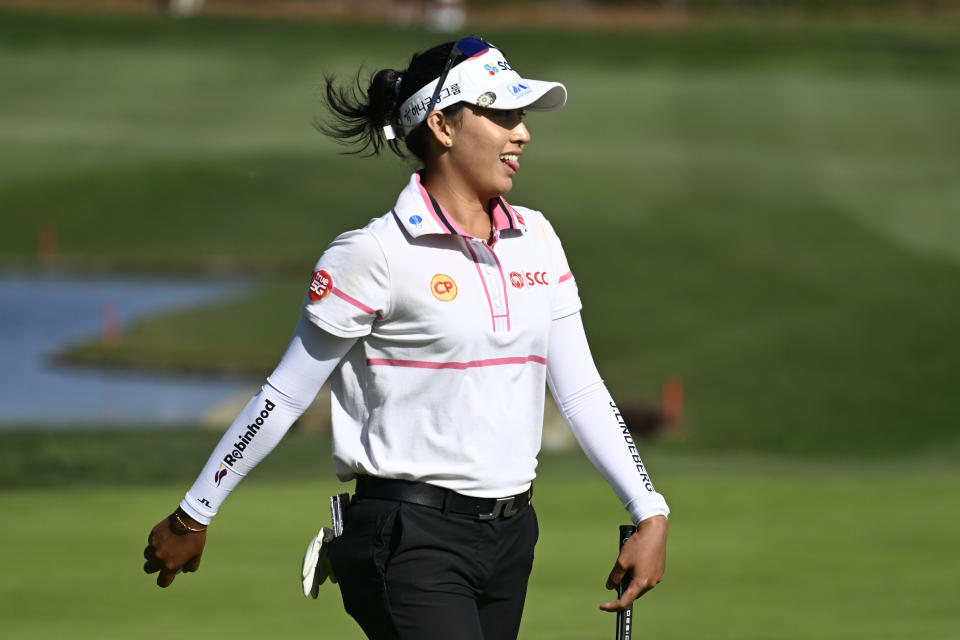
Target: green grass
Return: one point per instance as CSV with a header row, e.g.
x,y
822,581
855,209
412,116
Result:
x,y
760,547
767,211
51,458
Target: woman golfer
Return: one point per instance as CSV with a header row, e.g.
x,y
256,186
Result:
x,y
438,325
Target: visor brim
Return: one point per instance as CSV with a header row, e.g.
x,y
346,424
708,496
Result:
x,y
532,95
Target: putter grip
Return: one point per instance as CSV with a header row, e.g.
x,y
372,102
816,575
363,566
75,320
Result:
x,y
625,618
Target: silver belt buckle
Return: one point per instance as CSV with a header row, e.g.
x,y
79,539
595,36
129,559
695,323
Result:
x,y
505,507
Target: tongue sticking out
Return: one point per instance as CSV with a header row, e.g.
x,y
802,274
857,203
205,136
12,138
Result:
x,y
511,162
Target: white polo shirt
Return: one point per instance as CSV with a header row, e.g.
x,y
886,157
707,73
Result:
x,y
446,384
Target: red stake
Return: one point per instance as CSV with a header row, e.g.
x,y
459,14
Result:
x,y
47,245
672,401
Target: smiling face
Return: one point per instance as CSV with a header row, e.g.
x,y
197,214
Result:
x,y
486,147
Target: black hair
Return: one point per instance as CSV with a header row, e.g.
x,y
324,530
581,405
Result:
x,y
359,117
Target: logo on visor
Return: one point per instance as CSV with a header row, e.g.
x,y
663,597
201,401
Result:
x,y
486,99
492,70
516,280
519,90
443,287
321,285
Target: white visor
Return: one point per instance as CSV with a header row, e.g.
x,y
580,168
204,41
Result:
x,y
486,80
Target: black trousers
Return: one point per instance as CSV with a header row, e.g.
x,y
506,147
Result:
x,y
409,572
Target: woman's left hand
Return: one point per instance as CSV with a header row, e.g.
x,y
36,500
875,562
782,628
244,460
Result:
x,y
644,557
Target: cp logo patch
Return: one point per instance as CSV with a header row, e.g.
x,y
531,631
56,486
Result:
x,y
443,287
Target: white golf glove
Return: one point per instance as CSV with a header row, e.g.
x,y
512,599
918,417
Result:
x,y
316,564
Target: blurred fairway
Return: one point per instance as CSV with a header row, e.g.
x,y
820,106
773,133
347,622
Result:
x,y
771,213
760,548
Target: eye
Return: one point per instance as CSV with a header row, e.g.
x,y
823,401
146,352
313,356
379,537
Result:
x,y
512,116
508,118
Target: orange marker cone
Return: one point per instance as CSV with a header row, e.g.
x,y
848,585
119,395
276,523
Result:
x,y
672,401
47,245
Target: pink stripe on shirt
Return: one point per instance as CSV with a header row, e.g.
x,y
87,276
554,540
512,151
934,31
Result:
x,y
566,276
430,209
422,364
506,298
359,305
501,219
476,262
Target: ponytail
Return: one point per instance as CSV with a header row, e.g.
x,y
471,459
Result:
x,y
358,116
358,119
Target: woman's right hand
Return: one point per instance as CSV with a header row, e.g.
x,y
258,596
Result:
x,y
172,547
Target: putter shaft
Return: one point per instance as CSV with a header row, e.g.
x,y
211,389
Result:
x,y
625,618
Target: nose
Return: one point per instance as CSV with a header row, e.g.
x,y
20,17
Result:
x,y
520,134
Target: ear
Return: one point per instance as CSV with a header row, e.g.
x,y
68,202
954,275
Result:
x,y
441,127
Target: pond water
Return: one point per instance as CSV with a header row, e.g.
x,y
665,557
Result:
x,y
41,314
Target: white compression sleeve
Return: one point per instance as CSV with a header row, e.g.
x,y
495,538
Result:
x,y
311,357
596,422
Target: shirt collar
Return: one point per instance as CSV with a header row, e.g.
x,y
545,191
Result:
x,y
420,214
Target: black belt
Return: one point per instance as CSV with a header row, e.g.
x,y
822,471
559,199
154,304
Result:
x,y
446,500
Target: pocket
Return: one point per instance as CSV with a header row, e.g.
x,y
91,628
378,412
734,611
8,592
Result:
x,y
387,538
367,531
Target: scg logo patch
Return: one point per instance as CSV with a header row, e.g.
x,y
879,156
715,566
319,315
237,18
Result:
x,y
530,278
443,287
537,277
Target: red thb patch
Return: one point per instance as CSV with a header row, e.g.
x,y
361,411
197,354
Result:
x,y
321,285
